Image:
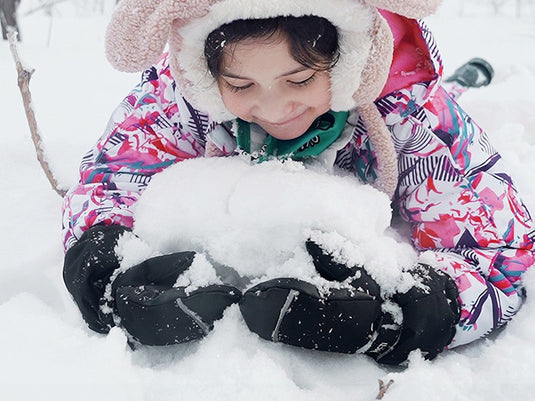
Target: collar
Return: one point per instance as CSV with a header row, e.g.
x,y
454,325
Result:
x,y
323,132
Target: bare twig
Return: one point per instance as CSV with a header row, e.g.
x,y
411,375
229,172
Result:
x,y
24,76
383,388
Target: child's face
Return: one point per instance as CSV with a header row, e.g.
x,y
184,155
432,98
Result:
x,y
260,82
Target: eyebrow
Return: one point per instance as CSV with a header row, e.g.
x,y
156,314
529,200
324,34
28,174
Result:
x,y
294,71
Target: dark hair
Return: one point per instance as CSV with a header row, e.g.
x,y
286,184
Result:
x,y
313,40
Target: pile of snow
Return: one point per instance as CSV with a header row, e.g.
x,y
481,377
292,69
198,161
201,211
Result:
x,y
252,219
256,219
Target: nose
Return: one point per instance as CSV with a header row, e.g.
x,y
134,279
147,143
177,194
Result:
x,y
274,107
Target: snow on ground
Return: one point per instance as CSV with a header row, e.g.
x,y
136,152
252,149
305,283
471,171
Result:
x,y
49,354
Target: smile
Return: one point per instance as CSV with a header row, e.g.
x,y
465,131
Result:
x,y
285,122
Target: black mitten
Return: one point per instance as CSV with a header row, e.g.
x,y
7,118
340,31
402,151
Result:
x,y
331,270
326,266
430,314
87,269
154,312
160,271
294,312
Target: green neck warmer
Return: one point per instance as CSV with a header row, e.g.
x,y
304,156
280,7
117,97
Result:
x,y
323,132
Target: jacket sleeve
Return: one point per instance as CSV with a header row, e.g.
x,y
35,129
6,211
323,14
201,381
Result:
x,y
149,131
462,205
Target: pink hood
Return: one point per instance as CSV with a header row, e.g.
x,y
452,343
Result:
x,y
412,61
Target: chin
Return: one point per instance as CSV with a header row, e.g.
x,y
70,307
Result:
x,y
285,135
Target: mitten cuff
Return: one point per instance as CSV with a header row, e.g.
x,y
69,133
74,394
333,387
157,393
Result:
x,y
430,316
87,269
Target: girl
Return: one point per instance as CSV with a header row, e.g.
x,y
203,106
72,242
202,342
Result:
x,y
353,84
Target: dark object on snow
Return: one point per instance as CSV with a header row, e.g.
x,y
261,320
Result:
x,y
475,73
154,312
294,312
153,315
326,266
87,269
143,297
8,17
331,270
430,314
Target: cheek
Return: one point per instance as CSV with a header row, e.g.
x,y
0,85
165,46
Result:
x,y
320,97
324,98
235,105
319,101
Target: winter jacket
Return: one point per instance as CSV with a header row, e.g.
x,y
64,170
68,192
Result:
x,y
466,215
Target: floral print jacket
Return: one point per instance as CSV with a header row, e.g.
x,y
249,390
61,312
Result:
x,y
466,215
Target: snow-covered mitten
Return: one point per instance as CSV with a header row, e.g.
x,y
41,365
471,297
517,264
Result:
x,y
294,312
332,270
154,312
326,266
430,313
87,269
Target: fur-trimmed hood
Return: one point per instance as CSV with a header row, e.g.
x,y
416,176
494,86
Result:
x,y
140,29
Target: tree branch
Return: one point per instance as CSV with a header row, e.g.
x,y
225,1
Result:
x,y
383,388
24,76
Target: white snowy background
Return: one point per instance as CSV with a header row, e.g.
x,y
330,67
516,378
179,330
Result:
x,y
46,351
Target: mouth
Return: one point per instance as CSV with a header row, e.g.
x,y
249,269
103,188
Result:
x,y
283,123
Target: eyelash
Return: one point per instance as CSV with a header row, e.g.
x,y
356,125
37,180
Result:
x,y
300,84
306,82
236,89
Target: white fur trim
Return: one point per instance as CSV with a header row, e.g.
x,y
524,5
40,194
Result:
x,y
353,20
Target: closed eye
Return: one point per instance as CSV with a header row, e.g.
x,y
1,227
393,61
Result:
x,y
235,88
304,82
